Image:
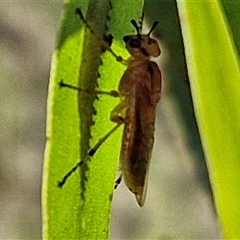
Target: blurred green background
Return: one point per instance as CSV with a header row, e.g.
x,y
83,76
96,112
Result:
x,y
179,203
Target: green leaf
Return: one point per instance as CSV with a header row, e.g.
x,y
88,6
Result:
x,y
213,68
81,208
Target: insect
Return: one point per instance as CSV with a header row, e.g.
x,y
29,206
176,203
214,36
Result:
x,y
139,91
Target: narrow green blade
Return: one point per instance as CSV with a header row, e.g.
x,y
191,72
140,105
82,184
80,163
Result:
x,y
81,208
213,68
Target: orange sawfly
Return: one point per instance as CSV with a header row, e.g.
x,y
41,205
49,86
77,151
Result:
x,y
139,90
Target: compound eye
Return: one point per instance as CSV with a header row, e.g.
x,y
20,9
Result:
x,y
135,43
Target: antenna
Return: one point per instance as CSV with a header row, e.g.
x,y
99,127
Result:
x,y
153,27
133,22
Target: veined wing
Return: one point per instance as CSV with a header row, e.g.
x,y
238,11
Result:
x,y
138,137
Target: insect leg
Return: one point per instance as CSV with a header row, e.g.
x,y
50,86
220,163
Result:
x,y
91,152
104,42
112,93
118,113
118,181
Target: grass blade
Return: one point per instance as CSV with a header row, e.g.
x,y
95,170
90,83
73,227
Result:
x,y
66,214
213,67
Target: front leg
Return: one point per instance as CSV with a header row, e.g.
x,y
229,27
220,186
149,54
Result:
x,y
105,42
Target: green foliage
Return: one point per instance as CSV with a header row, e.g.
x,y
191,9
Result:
x,y
81,209
213,67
